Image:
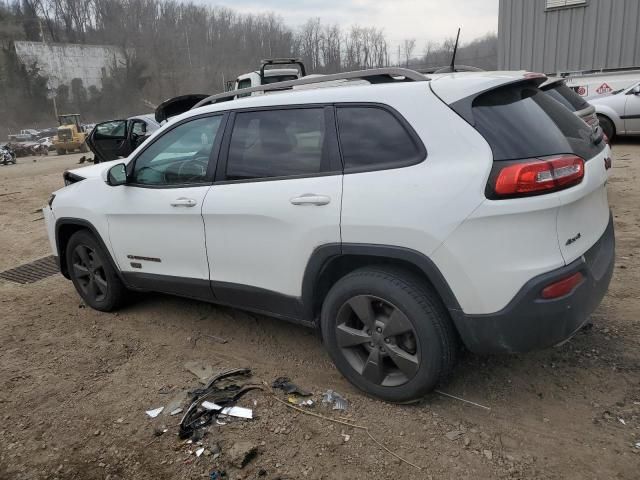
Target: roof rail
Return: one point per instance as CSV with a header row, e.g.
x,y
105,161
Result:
x,y
374,75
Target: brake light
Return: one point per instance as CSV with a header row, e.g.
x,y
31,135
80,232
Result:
x,y
562,287
536,176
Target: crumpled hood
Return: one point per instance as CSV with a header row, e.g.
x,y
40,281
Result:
x,y
93,170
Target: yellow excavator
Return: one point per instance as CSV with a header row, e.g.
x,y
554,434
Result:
x,y
71,135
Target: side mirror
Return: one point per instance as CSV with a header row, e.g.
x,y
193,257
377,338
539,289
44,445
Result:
x,y
117,175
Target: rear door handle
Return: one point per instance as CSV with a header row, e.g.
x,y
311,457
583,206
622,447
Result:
x,y
184,202
310,199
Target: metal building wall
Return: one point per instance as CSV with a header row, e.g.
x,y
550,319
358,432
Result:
x,y
602,34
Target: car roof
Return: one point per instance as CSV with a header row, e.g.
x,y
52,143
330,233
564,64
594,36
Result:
x,y
450,87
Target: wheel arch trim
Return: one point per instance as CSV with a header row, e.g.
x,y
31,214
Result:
x,y
323,256
84,224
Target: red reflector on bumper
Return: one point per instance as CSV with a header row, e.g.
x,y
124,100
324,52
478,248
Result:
x,y
562,287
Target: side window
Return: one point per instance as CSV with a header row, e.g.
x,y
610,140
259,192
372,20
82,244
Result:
x,y
139,128
180,156
372,137
278,143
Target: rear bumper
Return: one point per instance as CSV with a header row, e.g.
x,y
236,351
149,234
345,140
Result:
x,y
530,322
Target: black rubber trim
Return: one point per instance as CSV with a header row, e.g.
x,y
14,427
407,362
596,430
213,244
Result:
x,y
61,252
199,289
260,300
322,257
530,322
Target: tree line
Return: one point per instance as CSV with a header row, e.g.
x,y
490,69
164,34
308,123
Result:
x,y
171,48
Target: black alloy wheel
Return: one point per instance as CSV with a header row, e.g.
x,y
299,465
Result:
x,y
89,271
92,272
378,340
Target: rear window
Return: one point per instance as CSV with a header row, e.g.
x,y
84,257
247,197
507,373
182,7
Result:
x,y
567,97
523,122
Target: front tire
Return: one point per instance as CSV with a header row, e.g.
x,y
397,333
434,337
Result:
x,y
388,333
90,269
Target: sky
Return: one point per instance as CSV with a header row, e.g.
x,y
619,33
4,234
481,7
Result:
x,y
423,20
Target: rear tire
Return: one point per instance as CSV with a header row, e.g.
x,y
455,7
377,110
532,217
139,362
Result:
x,y
388,333
90,269
607,126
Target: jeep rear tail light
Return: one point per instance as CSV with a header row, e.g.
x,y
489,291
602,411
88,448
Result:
x,y
534,176
562,287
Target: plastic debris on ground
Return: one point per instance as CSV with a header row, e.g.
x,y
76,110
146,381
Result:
x,y
230,411
285,384
217,475
176,411
334,399
199,451
154,412
223,391
300,401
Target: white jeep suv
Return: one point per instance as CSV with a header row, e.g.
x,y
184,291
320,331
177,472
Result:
x,y
402,218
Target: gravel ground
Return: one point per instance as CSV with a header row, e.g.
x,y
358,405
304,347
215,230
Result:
x,y
75,383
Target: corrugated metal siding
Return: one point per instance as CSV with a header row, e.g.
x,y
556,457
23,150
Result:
x,y
602,34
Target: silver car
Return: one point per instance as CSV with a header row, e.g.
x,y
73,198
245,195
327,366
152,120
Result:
x,y
619,112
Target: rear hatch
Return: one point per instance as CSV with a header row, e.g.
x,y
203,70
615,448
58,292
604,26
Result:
x,y
541,148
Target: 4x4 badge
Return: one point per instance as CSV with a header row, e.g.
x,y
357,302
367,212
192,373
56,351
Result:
x,y
573,239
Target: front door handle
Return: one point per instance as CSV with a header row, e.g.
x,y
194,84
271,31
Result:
x,y
310,199
184,202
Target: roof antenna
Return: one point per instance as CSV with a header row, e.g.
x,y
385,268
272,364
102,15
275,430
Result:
x,y
455,50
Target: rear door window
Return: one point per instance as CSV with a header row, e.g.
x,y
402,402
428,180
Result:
x,y
278,143
521,121
372,138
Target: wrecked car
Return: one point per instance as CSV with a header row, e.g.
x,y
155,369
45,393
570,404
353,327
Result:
x,y
118,138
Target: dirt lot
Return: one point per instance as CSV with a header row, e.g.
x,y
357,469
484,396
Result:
x,y
75,383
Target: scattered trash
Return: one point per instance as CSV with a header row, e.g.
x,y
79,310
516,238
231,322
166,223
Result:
x,y
334,398
621,420
461,399
200,451
215,393
345,437
217,475
301,402
349,424
285,384
176,411
241,453
637,445
230,411
155,412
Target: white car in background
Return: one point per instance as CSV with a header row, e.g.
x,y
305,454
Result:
x,y
619,112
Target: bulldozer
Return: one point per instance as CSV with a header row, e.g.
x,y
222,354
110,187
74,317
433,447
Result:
x,y
71,135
